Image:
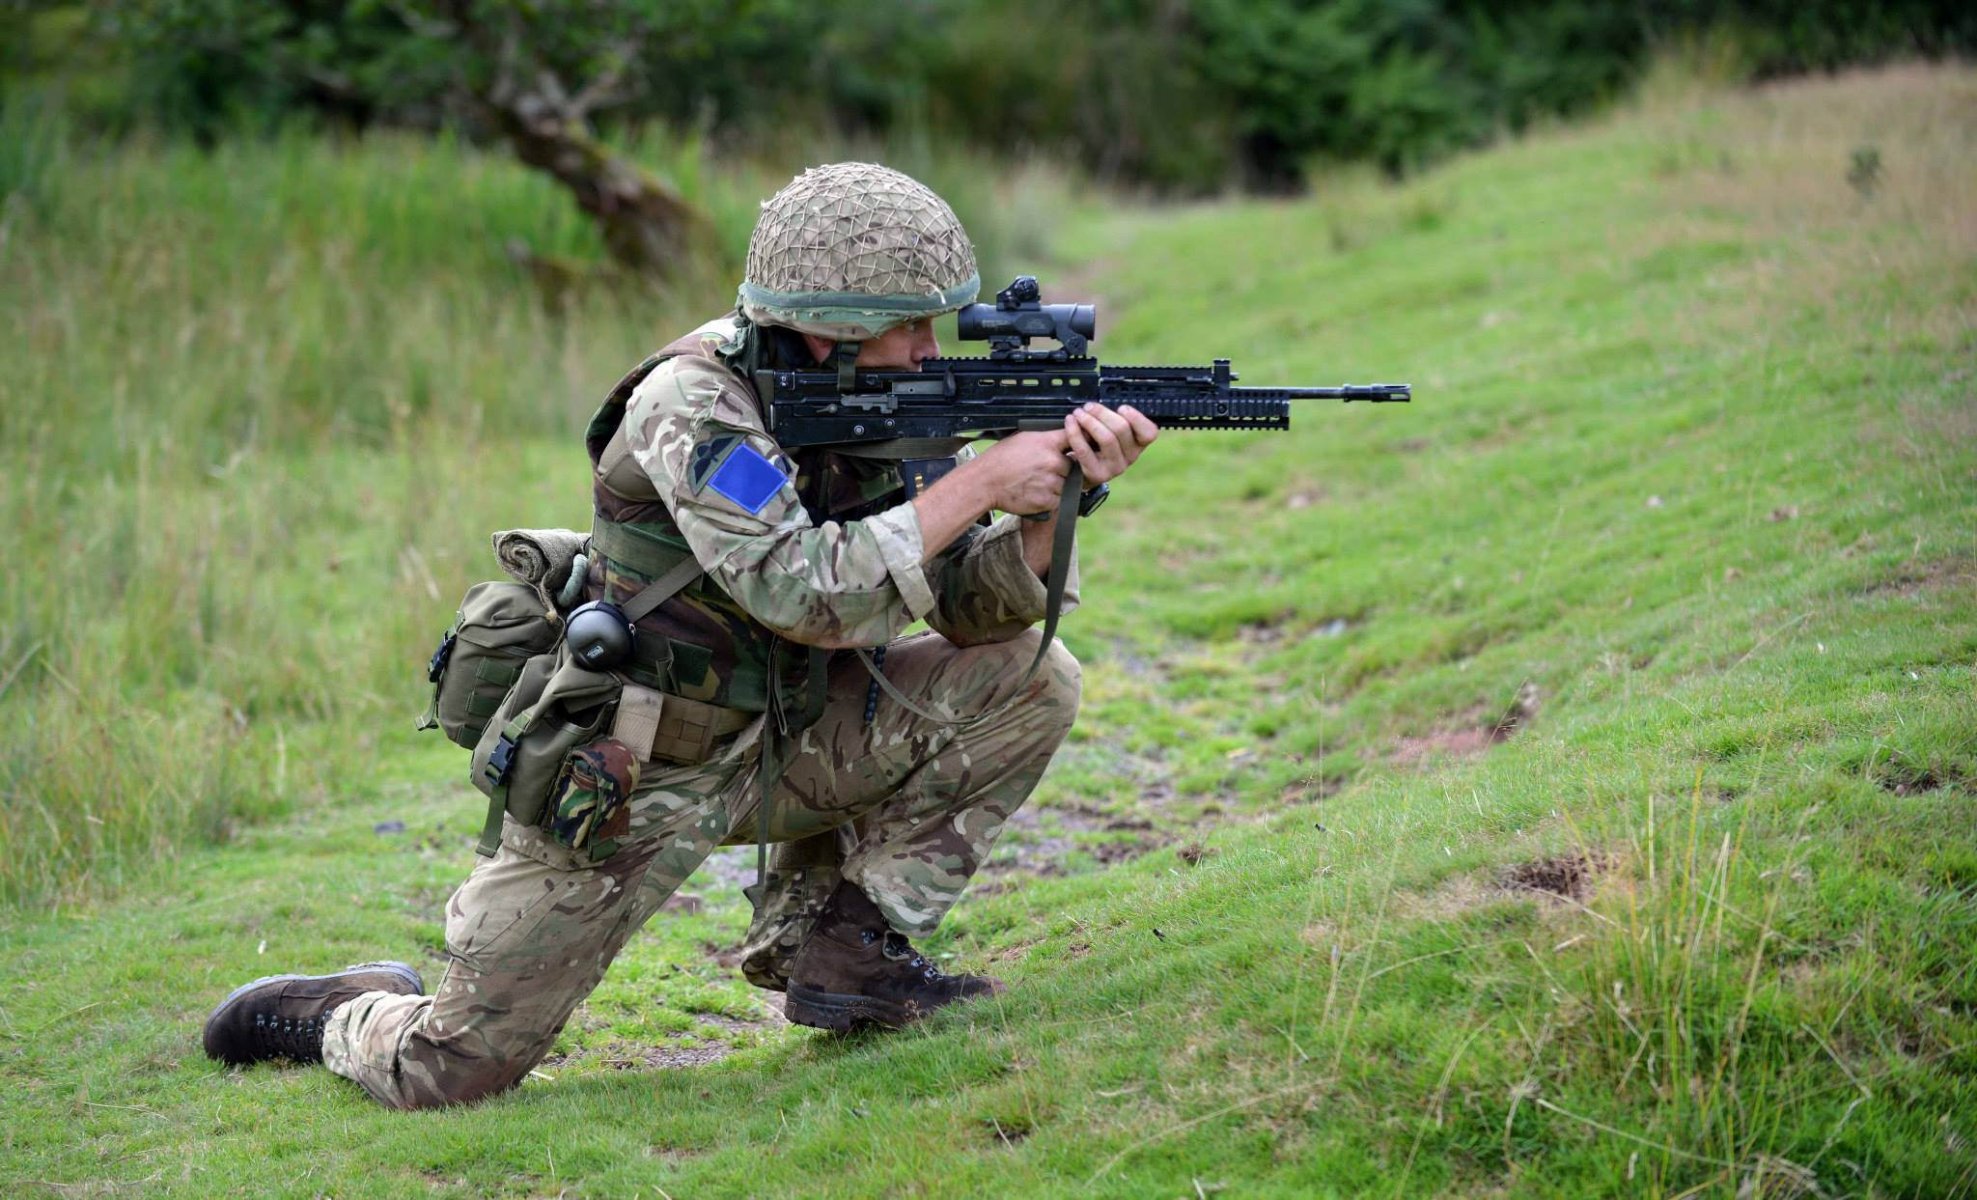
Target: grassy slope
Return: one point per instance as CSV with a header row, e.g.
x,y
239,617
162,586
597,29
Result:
x,y
1687,491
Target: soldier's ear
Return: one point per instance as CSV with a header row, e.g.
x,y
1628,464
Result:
x,y
821,348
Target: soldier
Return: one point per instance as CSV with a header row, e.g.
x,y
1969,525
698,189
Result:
x,y
879,816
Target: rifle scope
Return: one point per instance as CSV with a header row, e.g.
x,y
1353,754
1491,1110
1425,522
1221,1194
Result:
x,y
1018,315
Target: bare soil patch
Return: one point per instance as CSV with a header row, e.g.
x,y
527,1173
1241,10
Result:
x,y
623,1056
1026,846
1007,1133
1473,735
1569,876
1921,578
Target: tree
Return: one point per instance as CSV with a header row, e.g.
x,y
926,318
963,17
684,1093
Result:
x,y
532,72
513,69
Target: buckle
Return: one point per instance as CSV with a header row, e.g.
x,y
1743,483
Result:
x,y
436,665
500,761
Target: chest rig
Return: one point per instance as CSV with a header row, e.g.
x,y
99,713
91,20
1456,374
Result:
x,y
699,643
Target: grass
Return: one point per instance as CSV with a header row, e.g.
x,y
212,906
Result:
x,y
1560,786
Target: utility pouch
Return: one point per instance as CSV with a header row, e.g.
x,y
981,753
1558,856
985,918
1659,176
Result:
x,y
589,807
554,707
499,627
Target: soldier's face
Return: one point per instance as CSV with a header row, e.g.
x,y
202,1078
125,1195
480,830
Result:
x,y
901,348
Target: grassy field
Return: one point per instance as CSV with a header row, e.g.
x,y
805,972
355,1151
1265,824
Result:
x,y
1560,786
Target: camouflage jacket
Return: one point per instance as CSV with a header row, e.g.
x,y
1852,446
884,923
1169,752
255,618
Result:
x,y
814,548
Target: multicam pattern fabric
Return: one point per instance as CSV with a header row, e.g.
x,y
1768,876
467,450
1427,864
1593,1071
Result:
x,y
904,807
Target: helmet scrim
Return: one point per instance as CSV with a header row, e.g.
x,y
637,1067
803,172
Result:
x,y
849,250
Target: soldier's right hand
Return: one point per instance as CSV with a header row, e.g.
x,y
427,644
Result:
x,y
1025,471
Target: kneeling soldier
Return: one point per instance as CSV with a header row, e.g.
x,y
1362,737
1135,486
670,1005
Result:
x,y
879,814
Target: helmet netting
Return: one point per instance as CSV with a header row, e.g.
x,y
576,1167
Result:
x,y
846,231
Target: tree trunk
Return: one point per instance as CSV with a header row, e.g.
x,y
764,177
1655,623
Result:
x,y
647,225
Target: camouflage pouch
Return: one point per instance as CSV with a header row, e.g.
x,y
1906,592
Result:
x,y
554,707
499,627
590,806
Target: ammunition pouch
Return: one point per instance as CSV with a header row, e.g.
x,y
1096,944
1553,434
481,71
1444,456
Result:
x,y
499,628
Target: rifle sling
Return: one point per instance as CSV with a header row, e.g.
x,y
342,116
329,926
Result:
x,y
662,589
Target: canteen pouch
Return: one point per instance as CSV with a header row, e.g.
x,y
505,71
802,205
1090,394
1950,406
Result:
x,y
499,627
554,707
589,807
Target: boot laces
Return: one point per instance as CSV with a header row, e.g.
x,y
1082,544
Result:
x,y
899,949
291,1037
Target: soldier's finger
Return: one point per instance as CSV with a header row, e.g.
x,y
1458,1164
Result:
x,y
1144,430
1121,427
1100,432
1081,447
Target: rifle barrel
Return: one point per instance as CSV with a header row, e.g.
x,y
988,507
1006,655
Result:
x,y
1376,393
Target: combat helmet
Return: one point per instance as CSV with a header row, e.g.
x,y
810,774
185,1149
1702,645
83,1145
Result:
x,y
847,251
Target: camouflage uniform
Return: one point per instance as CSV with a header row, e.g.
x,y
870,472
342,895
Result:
x,y
904,807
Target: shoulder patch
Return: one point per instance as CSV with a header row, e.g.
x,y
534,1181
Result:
x,y
746,478
706,456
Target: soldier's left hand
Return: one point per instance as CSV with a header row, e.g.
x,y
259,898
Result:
x,y
1106,442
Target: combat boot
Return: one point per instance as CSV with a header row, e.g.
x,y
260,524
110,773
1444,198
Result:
x,y
282,1016
855,970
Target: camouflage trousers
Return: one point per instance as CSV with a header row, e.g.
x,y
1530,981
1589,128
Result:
x,y
904,807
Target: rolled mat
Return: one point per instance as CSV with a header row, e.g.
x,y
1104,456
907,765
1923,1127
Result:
x,y
539,557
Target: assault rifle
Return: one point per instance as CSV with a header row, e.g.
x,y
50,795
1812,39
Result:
x,y
1016,388
919,419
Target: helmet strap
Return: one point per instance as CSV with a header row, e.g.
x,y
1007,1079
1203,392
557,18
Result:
x,y
846,357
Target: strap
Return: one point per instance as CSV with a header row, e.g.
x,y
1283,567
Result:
x,y
662,589
497,807
1055,581
779,739
845,355
497,795
637,722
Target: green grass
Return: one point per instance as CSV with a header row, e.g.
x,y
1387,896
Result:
x,y
1575,769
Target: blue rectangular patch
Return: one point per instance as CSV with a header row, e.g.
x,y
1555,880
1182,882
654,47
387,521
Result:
x,y
747,479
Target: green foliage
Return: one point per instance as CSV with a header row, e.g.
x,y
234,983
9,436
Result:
x,y
1192,96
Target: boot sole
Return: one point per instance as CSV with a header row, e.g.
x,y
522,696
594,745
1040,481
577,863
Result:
x,y
402,970
840,1012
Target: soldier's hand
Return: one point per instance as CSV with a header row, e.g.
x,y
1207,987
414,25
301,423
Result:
x,y
1025,471
1106,442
